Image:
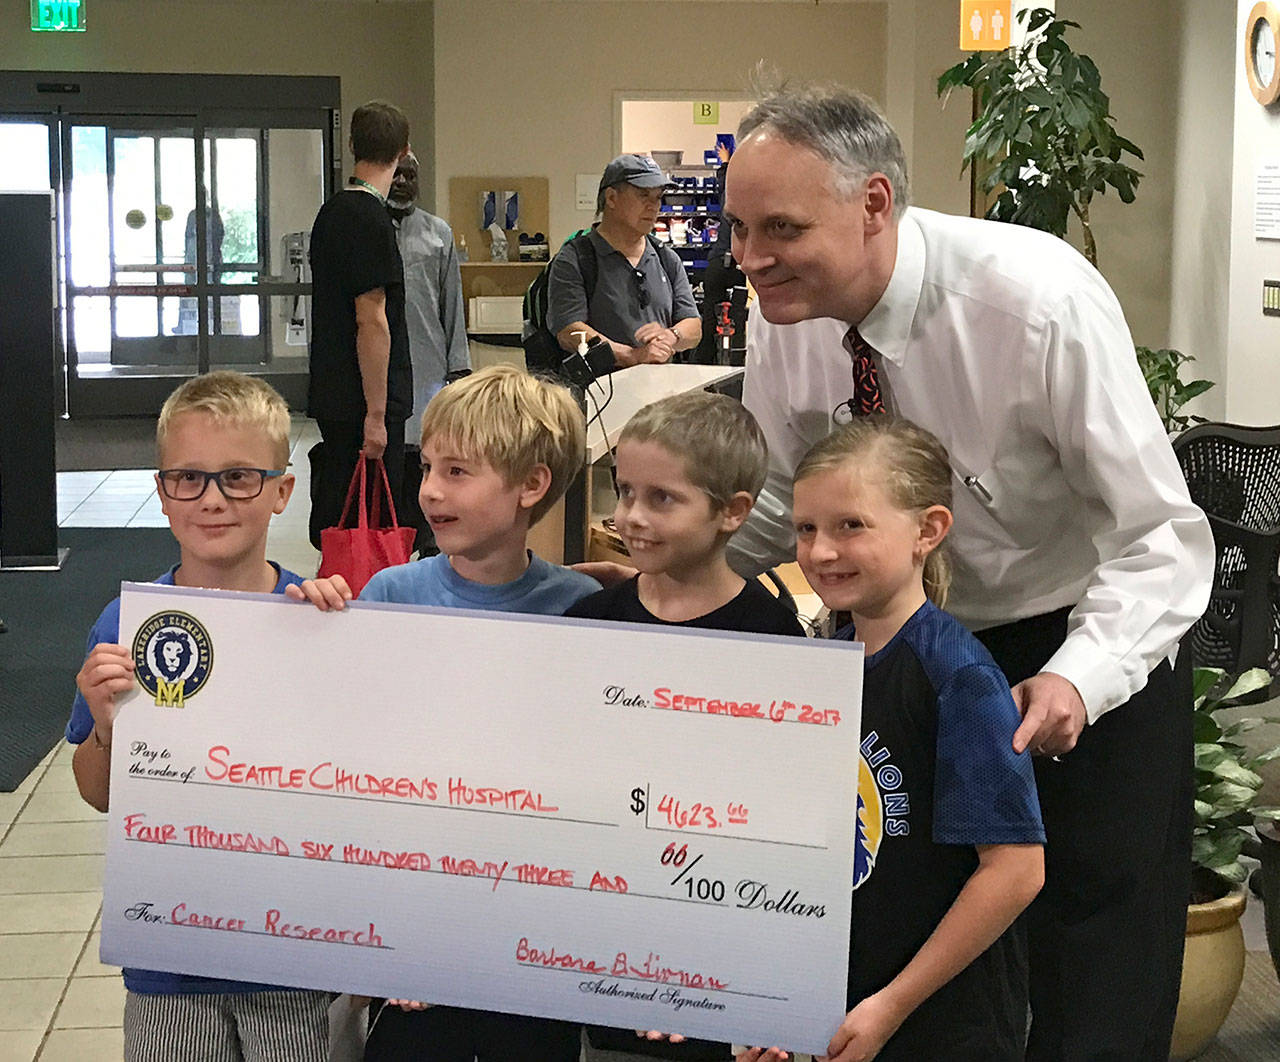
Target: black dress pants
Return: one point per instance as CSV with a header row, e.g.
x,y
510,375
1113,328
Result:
x,y
1105,936
450,1034
333,461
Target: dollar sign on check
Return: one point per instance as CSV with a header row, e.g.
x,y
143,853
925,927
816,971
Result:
x,y
637,800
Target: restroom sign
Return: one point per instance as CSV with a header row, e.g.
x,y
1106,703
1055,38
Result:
x,y
706,112
57,16
986,25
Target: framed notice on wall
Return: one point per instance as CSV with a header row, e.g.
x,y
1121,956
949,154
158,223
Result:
x,y
1266,202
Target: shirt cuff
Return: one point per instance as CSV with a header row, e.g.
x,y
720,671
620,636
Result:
x,y
1100,681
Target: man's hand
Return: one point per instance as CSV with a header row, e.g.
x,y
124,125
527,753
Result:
x,y
607,573
864,1031
651,330
762,1054
330,593
107,671
625,357
659,350
658,342
1053,715
375,437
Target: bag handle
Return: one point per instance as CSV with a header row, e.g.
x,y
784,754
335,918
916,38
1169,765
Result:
x,y
382,489
357,485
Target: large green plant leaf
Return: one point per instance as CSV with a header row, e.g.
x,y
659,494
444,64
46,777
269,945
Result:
x,y
1042,105
1231,771
1254,679
1228,796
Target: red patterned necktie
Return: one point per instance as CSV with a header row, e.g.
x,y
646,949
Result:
x,y
866,380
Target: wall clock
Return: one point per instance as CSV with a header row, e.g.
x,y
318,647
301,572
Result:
x,y
1261,35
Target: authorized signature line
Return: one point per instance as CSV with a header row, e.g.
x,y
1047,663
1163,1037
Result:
x,y
651,981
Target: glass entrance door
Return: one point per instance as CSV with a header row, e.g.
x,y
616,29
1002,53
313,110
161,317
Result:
x,y
184,205
182,256
129,194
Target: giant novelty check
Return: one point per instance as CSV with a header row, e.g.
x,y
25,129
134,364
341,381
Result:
x,y
612,823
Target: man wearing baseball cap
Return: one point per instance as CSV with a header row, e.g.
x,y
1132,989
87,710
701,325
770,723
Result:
x,y
618,282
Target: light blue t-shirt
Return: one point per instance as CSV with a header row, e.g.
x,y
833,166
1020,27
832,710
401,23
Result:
x,y
544,589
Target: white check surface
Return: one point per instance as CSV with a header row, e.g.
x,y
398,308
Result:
x,y
513,813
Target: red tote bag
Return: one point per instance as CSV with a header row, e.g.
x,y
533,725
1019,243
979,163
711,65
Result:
x,y
358,553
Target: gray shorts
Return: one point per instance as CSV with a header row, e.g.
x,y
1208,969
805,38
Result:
x,y
231,1027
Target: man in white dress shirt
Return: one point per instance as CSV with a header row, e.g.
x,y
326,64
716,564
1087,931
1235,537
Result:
x,y
1079,557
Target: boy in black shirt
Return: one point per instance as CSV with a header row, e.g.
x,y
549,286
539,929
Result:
x,y
689,470
361,387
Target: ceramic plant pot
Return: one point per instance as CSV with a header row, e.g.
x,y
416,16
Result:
x,y
1212,969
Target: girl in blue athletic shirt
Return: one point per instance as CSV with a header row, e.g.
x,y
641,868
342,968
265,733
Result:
x,y
948,844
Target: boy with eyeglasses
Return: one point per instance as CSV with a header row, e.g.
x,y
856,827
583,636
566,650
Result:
x,y
222,443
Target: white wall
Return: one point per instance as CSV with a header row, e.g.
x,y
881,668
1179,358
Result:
x,y
1137,55
667,125
1252,379
527,87
1201,218
924,40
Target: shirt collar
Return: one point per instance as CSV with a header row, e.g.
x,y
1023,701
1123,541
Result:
x,y
888,326
604,247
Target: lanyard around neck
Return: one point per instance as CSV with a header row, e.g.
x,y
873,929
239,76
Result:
x,y
365,186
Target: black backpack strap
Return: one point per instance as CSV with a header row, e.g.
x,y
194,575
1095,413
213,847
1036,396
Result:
x,y
588,263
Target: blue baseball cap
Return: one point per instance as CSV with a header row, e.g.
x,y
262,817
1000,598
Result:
x,y
638,170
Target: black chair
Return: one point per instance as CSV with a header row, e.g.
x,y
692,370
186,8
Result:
x,y
1233,473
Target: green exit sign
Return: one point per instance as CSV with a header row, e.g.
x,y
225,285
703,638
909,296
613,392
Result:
x,y
57,16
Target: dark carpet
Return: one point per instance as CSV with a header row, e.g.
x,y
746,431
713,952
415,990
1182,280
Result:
x,y
87,444
48,616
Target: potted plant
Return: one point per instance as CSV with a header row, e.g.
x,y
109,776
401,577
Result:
x,y
1227,784
1043,140
1043,135
1162,369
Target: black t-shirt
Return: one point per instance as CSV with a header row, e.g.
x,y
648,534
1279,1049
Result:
x,y
753,611
353,251
937,777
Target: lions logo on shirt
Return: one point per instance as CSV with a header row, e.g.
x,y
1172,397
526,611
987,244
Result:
x,y
883,806
172,657
868,825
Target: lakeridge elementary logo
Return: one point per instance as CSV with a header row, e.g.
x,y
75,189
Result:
x,y
172,657
883,806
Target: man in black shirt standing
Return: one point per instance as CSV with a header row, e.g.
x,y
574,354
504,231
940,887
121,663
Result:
x,y
361,388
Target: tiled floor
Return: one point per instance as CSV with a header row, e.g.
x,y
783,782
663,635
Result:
x,y
58,1003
